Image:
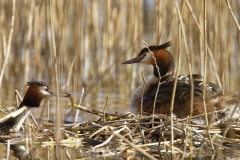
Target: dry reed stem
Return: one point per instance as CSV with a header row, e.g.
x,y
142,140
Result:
x,y
109,139
18,96
188,57
101,129
159,81
205,71
205,62
80,102
8,44
70,73
8,149
234,17
202,36
134,146
5,109
2,111
58,116
172,100
105,109
189,65
144,83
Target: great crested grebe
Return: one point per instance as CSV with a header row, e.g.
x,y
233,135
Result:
x,y
35,93
166,64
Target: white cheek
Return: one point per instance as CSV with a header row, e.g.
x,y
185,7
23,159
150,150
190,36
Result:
x,y
147,59
45,93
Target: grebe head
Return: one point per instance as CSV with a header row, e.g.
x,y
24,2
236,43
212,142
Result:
x,y
164,58
36,92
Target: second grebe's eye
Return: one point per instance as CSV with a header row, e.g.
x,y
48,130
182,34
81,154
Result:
x,y
45,88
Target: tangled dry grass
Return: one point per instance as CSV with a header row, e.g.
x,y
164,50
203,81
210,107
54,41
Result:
x,y
128,136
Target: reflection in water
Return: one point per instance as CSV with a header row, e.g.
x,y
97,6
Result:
x,y
62,152
20,152
47,149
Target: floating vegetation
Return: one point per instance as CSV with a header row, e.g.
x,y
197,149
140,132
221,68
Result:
x,y
129,136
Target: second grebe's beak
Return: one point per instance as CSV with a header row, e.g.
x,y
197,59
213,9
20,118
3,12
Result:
x,y
53,93
134,60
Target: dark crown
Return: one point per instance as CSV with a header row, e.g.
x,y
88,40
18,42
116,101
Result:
x,y
156,47
39,83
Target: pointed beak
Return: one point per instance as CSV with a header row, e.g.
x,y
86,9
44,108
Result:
x,y
53,93
134,60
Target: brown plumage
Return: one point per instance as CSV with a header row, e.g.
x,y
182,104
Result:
x,y
166,64
35,93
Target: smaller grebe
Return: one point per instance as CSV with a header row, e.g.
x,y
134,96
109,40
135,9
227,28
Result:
x,y
166,64
35,93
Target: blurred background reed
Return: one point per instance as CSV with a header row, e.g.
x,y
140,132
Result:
x,y
74,44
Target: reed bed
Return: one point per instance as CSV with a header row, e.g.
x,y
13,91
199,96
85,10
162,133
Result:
x,y
78,47
128,136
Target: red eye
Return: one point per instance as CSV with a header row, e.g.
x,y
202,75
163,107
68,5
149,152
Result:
x,y
46,88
